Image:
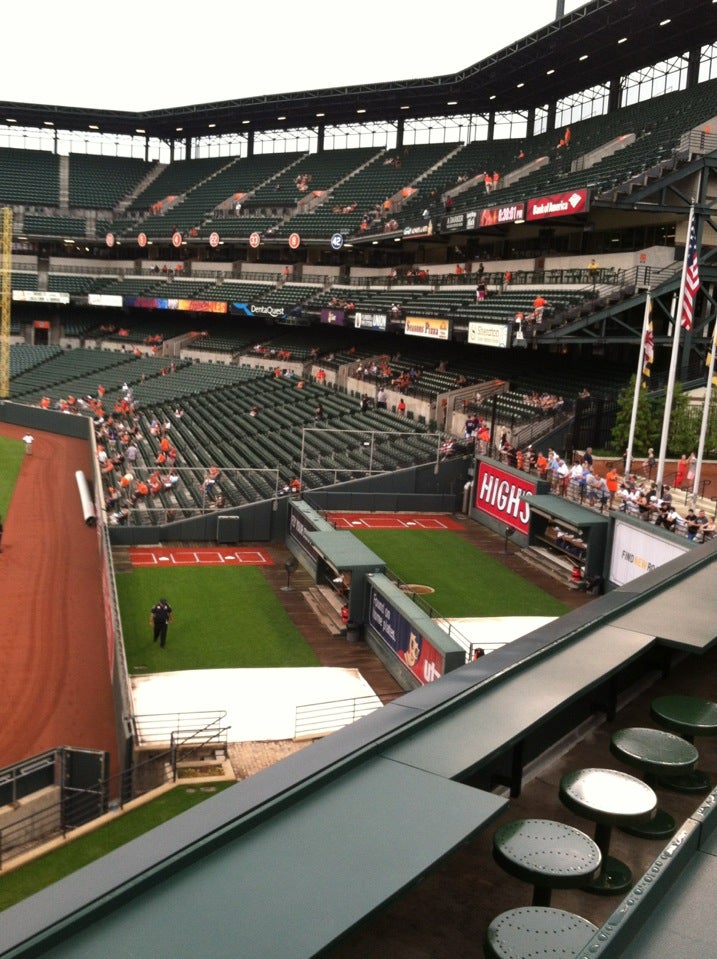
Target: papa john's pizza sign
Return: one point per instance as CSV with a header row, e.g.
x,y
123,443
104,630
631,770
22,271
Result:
x,y
501,494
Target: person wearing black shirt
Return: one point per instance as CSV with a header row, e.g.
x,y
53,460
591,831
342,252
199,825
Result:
x,y
160,617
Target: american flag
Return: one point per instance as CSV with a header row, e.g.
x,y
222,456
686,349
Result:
x,y
692,279
648,350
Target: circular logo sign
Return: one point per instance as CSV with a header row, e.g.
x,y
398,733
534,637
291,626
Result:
x,y
337,241
213,239
254,240
294,241
142,239
110,239
177,239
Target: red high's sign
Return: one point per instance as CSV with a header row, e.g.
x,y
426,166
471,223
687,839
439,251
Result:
x,y
500,494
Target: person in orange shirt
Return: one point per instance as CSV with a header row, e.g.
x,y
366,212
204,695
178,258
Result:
x,y
488,182
541,464
612,480
539,304
496,180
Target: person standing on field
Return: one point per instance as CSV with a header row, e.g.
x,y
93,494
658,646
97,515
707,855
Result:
x,y
160,617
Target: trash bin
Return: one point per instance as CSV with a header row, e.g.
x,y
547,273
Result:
x,y
353,632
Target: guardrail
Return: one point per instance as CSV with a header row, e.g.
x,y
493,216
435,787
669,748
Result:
x,y
320,719
77,807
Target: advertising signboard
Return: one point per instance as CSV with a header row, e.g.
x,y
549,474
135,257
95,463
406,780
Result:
x,y
406,642
500,495
636,551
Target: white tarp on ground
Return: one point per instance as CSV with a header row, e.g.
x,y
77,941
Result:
x,y
491,632
260,703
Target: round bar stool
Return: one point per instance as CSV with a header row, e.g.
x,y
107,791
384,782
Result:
x,y
548,854
537,931
608,798
687,716
655,753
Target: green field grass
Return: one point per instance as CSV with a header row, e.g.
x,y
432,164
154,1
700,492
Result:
x,y
42,872
11,454
466,581
224,618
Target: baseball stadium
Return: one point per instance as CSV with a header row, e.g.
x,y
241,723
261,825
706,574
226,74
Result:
x,y
358,487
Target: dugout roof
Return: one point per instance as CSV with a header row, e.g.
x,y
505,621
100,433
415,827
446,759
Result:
x,y
603,40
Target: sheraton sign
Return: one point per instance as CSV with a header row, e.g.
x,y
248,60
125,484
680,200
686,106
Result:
x,y
501,495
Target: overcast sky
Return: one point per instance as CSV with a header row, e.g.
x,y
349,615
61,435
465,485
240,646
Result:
x,y
146,55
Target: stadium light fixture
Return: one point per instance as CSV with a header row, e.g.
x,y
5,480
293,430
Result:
x,y
663,23
452,103
361,110
519,85
320,114
622,40
211,126
93,126
550,72
139,130
405,107
492,96
244,122
178,129
583,57
48,123
10,120
281,118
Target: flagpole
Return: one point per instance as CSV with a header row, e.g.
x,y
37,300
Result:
x,y
638,383
673,362
705,418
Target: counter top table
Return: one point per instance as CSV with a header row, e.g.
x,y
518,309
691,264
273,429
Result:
x,y
656,753
536,930
548,854
608,798
689,717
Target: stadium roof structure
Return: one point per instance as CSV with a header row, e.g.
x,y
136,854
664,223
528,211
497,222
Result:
x,y
601,41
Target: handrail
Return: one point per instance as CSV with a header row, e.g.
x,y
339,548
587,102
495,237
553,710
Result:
x,y
318,719
77,807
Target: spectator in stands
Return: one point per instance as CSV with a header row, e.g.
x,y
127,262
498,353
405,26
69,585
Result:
x,y
705,529
539,305
593,270
681,472
692,524
381,399
401,408
612,480
496,180
487,182
667,517
562,473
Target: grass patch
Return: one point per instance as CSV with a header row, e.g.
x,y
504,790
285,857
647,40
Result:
x,y
225,617
11,454
42,872
466,581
